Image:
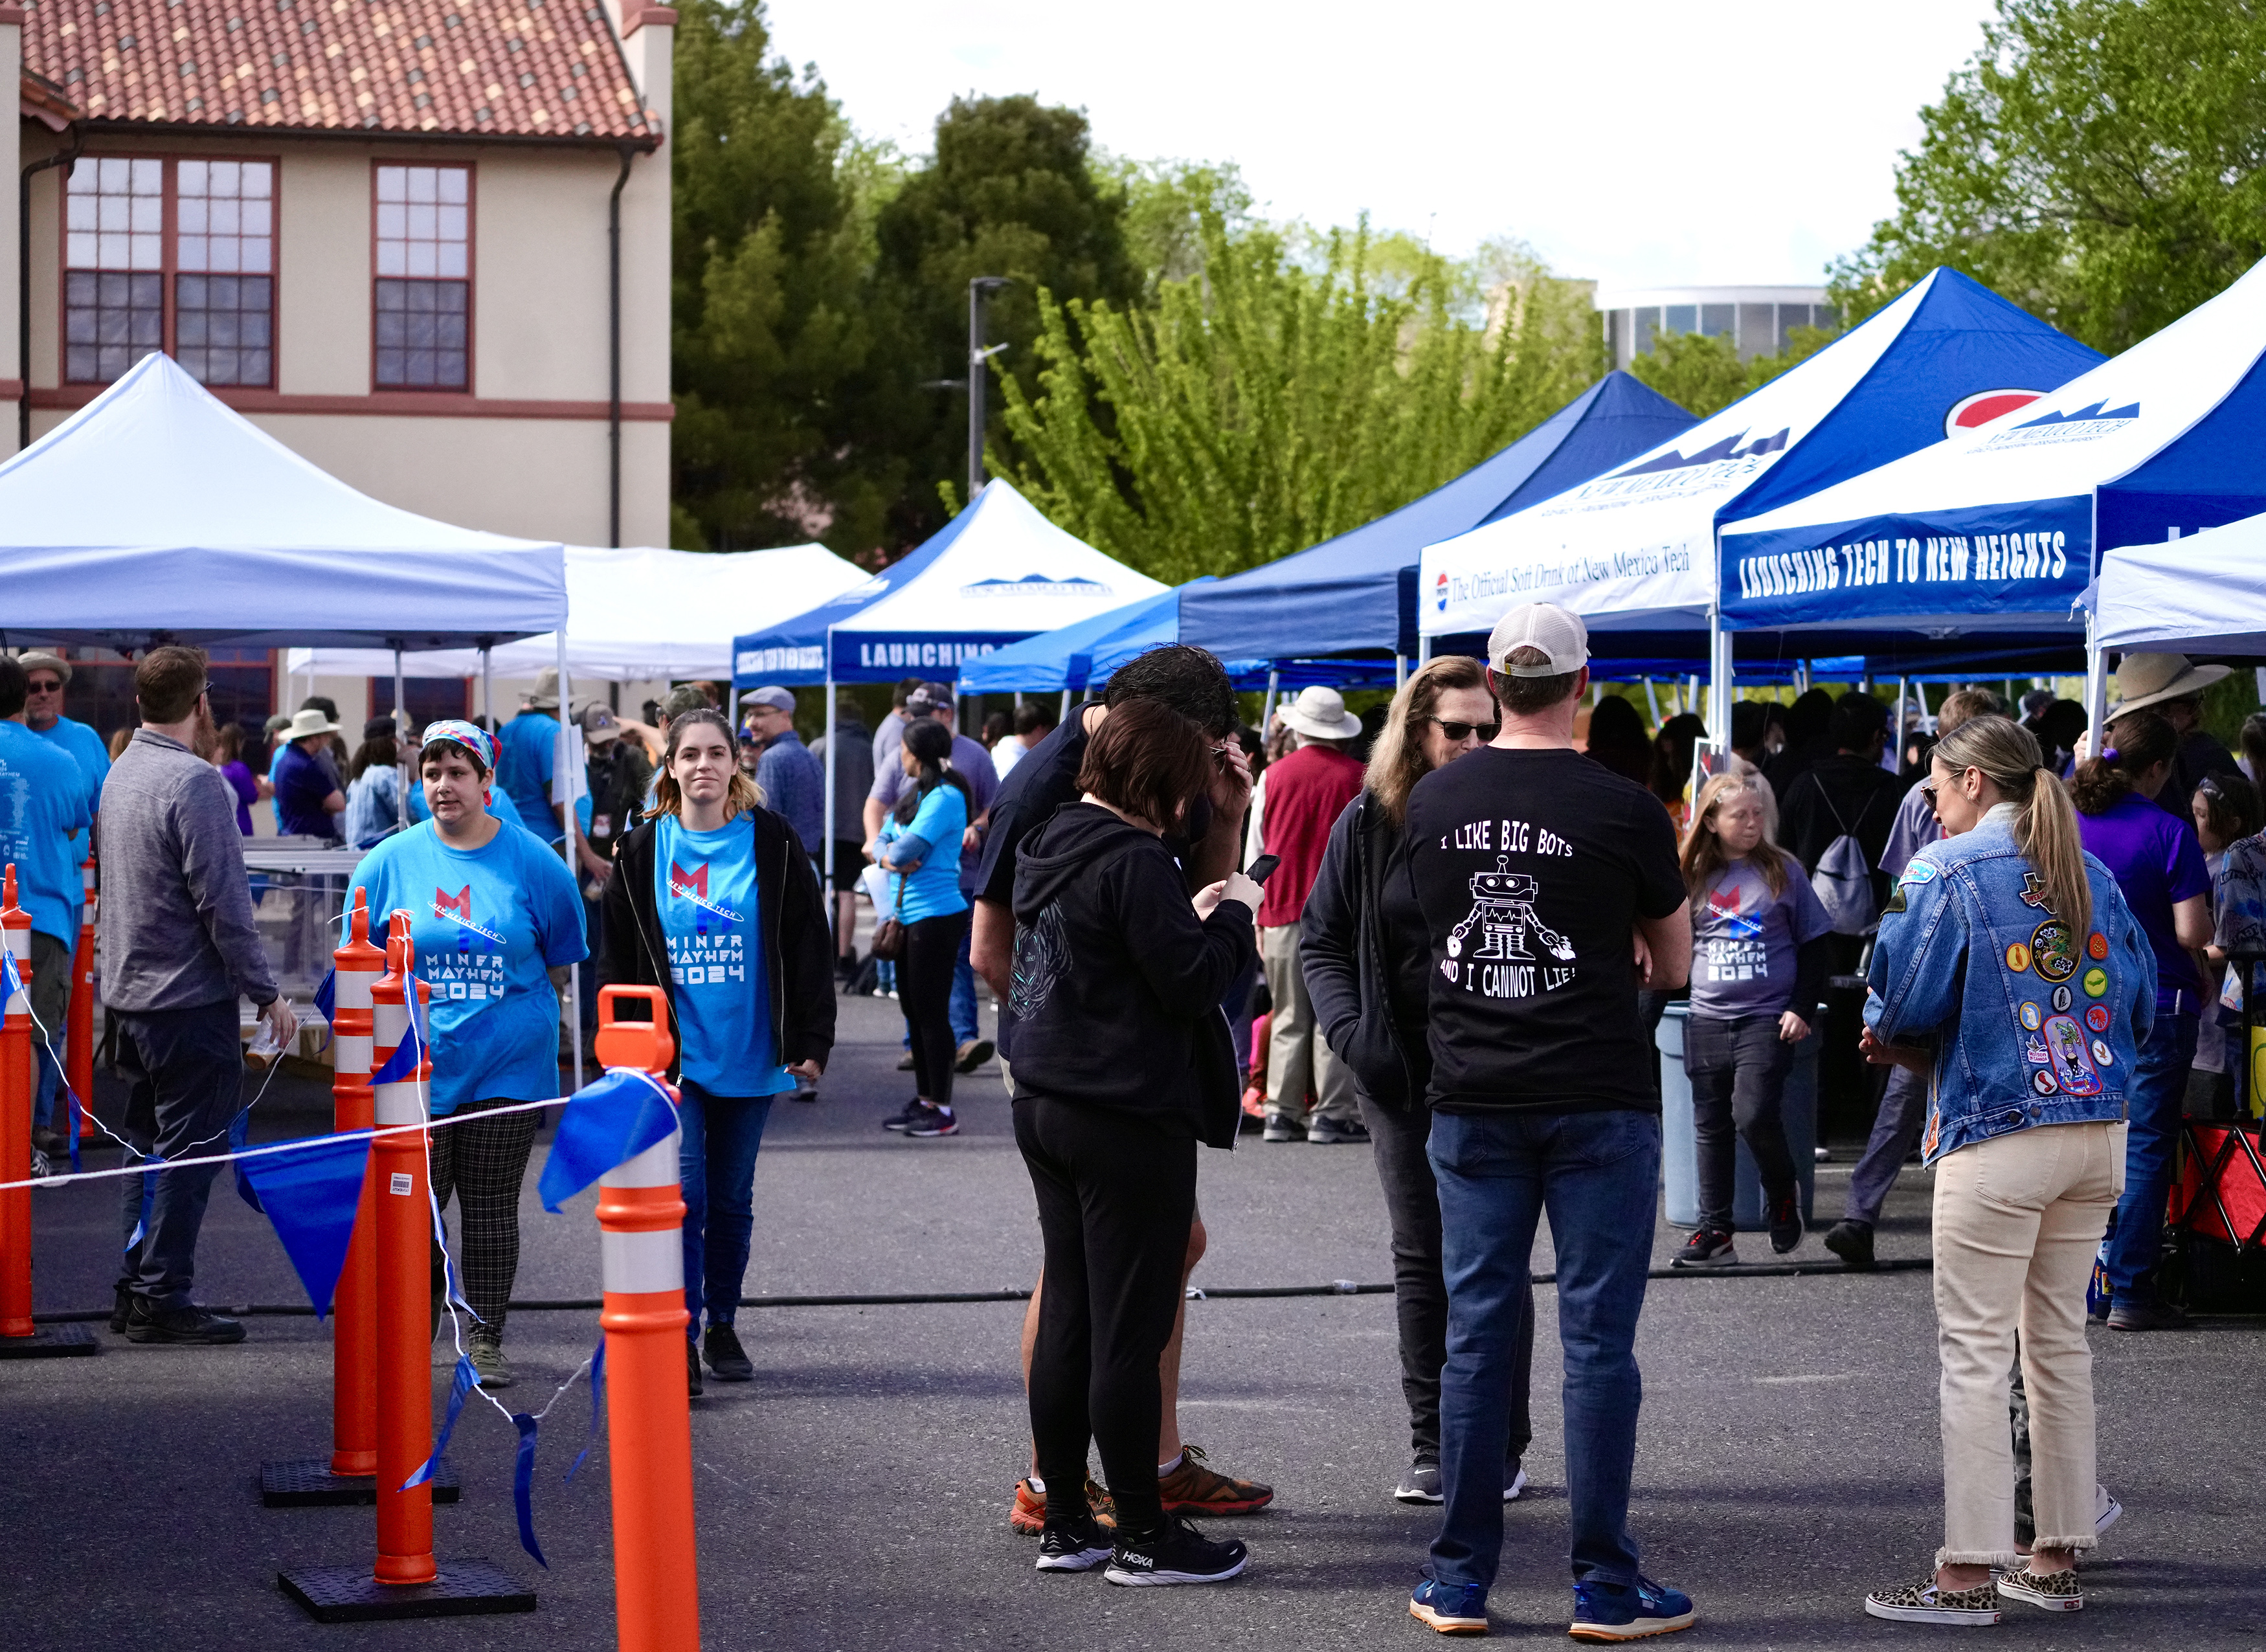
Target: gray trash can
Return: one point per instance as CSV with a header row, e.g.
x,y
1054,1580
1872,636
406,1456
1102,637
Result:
x,y
1679,1149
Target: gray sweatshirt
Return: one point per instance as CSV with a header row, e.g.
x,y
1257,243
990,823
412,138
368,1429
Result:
x,y
175,923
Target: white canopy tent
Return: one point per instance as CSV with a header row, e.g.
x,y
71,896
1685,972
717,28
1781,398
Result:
x,y
2206,592
636,614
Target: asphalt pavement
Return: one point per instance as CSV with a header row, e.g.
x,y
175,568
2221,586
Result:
x,y
854,1495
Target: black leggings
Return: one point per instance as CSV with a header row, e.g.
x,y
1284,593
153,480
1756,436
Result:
x,y
483,1162
925,995
1116,1194
1738,1070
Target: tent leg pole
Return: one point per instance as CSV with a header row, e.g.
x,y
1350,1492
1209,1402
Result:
x,y
2096,685
829,852
487,688
1424,651
1399,672
1897,767
1652,699
1063,716
400,745
1719,688
566,745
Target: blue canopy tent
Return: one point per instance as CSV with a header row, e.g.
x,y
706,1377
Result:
x,y
1358,591
1999,530
997,573
1634,551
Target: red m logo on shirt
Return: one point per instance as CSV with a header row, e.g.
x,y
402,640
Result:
x,y
460,903
1723,903
692,882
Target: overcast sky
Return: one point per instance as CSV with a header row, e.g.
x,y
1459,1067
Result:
x,y
1630,141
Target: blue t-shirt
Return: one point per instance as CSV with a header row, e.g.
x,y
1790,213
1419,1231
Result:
x,y
302,783
2157,862
489,924
933,891
528,759
42,806
94,759
704,889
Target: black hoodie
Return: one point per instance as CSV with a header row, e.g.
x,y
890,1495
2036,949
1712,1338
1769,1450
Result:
x,y
1117,983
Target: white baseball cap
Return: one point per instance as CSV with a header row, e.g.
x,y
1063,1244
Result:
x,y
1559,634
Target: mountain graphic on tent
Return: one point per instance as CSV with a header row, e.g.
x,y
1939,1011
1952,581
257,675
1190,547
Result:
x,y
2079,416
1036,585
1729,448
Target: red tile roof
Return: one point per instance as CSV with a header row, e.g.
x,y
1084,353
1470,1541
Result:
x,y
492,67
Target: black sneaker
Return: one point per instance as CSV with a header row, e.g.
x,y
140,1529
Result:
x,y
2146,1314
1077,1546
905,1061
1331,1132
1176,1553
905,1120
727,1358
180,1327
1708,1247
121,1309
692,1368
1853,1243
1786,1229
934,1121
1421,1484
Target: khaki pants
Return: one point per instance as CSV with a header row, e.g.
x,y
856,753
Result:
x,y
2018,1219
1298,1059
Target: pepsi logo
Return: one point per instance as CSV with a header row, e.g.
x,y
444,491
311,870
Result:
x,y
1440,593
1972,412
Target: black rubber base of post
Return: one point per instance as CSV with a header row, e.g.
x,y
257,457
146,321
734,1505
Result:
x,y
51,1341
307,1482
349,1594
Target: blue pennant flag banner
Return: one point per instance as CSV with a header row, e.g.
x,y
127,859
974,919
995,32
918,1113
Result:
x,y
597,1402
310,1196
522,1486
402,1063
460,1389
326,1002
239,1134
606,1124
11,979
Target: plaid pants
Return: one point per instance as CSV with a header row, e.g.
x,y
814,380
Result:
x,y
482,1163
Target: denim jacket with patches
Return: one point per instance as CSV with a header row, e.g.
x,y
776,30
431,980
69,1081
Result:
x,y
2031,1024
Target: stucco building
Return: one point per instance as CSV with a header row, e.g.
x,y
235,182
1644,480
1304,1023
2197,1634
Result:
x,y
384,230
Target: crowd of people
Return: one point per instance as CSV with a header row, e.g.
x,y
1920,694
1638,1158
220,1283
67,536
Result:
x,y
1446,929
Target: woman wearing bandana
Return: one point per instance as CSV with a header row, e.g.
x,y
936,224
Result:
x,y
496,919
713,901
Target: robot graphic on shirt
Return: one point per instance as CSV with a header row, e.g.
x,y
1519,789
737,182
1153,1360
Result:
x,y
1503,910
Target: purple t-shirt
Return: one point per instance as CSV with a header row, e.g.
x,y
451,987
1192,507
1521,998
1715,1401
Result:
x,y
1744,940
2158,863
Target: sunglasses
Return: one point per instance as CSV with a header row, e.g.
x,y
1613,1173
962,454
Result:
x,y
46,685
1464,731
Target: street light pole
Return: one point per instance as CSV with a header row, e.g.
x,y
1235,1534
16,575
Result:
x,y
980,289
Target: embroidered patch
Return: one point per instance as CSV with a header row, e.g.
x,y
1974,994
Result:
x,y
2018,957
2076,1073
2031,1018
2097,984
2033,1051
2033,890
2054,950
1896,901
2097,1018
2096,946
1921,872
2100,1052
1934,1130
2043,1082
2061,997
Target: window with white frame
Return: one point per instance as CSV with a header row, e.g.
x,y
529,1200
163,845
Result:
x,y
424,289
169,254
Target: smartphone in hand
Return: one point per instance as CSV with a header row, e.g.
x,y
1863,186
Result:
x,y
1263,868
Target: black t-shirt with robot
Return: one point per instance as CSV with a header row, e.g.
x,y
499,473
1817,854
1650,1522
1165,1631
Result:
x,y
1532,868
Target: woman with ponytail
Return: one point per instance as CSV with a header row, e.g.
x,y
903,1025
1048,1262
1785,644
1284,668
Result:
x,y
2157,861
919,843
2009,969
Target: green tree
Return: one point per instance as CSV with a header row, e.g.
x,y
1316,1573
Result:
x,y
1261,404
772,223
1012,190
2102,163
1703,374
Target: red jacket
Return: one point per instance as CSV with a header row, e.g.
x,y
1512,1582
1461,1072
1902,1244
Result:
x,y
1306,792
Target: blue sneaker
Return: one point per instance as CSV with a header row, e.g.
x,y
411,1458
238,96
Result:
x,y
1603,1611
1450,1608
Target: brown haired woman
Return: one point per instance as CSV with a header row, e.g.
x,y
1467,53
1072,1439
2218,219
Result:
x,y
1758,960
1368,960
712,899
1122,1062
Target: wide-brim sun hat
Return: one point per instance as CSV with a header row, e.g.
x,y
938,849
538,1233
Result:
x,y
545,697
309,722
2150,679
1319,713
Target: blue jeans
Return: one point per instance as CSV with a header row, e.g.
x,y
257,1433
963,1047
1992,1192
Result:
x,y
963,994
2159,1087
1598,1176
716,1162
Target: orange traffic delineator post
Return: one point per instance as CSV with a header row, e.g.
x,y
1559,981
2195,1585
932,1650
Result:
x,y
78,1035
649,1418
20,1337
350,1474
407,1580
